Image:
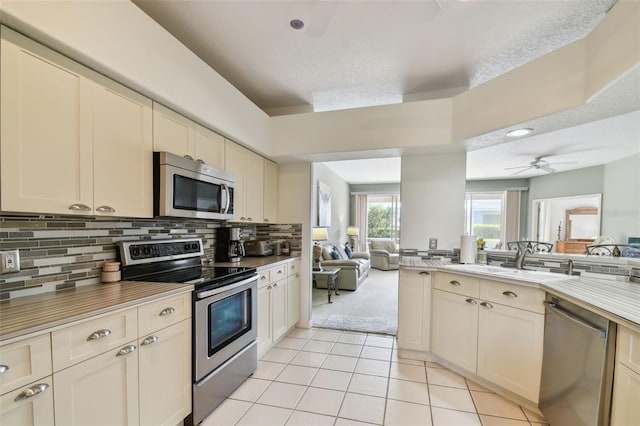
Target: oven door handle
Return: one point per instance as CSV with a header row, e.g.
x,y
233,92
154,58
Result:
x,y
207,293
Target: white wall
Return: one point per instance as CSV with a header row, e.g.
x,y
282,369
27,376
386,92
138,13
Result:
x,y
340,202
432,196
621,200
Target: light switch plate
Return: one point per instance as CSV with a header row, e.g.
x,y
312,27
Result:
x,y
433,243
9,261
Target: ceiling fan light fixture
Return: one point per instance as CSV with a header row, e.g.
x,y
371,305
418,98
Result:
x,y
519,132
296,24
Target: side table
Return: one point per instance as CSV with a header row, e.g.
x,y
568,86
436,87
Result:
x,y
332,275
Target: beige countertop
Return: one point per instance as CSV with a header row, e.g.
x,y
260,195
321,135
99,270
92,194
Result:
x,y
29,314
257,262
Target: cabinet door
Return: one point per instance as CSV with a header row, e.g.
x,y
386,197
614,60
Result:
x,y
625,410
254,181
270,189
16,408
234,159
172,132
122,146
46,155
510,348
100,391
165,375
279,308
414,296
25,361
455,328
209,147
293,300
265,336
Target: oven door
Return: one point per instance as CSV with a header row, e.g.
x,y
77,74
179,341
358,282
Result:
x,y
225,322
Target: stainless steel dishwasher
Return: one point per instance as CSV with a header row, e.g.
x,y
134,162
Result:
x,y
577,365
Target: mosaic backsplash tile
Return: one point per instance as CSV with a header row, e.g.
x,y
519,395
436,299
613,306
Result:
x,y
61,252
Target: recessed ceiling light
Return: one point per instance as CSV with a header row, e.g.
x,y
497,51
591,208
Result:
x,y
519,132
296,24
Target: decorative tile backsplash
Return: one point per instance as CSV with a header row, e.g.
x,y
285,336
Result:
x,y
60,252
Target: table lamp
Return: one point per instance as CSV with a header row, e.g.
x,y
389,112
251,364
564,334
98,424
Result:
x,y
352,233
318,233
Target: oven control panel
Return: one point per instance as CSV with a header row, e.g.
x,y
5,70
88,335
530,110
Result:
x,y
137,252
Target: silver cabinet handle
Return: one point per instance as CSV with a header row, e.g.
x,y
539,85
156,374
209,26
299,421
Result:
x,y
200,161
126,350
276,284
263,277
250,219
242,218
149,340
269,287
279,272
472,301
266,220
105,209
3,368
188,157
486,305
424,273
78,207
166,311
454,282
98,334
293,267
509,294
32,391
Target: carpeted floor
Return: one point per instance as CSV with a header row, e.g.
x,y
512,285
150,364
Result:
x,y
373,308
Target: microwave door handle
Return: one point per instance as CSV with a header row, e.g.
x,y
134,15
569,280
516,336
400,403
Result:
x,y
226,199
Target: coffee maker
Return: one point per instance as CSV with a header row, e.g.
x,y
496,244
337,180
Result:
x,y
229,247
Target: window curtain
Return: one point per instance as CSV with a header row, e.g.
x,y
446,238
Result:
x,y
360,203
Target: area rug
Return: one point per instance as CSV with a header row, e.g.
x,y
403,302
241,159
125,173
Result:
x,y
367,325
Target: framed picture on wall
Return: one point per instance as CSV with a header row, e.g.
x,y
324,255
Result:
x,y
324,204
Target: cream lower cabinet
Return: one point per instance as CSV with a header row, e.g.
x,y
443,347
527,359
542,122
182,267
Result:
x,y
100,391
625,409
265,333
293,299
31,405
414,319
498,336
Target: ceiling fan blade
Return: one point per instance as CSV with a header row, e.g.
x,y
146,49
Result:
x,y
548,169
521,171
518,167
563,162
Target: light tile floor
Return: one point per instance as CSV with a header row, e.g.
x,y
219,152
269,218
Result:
x,y
325,377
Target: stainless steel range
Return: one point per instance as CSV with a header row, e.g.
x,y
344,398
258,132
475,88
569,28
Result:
x,y
224,313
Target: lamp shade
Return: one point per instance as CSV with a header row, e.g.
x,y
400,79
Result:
x,y
319,233
353,231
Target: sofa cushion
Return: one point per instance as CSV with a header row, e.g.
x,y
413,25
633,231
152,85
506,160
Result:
x,y
326,252
341,252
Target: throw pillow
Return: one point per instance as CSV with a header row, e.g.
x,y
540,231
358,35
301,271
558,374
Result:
x,y
348,250
342,255
335,255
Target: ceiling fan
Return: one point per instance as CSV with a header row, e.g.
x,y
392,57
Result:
x,y
539,163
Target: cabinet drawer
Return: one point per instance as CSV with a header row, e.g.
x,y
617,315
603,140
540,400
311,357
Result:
x,y
629,348
278,273
514,295
86,339
24,362
264,278
162,313
293,268
37,410
459,284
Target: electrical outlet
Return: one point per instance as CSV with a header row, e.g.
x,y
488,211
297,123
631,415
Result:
x,y
433,243
9,261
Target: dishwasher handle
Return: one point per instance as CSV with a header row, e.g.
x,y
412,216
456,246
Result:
x,y
602,333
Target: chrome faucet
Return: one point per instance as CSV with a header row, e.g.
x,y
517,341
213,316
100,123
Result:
x,y
520,255
570,267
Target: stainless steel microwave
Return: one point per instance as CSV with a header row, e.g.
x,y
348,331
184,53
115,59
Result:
x,y
190,189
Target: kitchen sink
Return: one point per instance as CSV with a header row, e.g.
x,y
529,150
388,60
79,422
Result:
x,y
521,274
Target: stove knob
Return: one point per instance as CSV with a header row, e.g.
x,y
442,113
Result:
x,y
147,251
186,247
135,251
194,246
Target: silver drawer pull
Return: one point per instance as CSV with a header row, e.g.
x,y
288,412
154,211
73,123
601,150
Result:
x,y
509,293
200,161
149,340
126,350
98,334
472,301
242,218
266,220
454,282
32,391
188,157
166,311
250,219
280,272
486,305
424,273
78,207
263,277
269,287
3,368
105,209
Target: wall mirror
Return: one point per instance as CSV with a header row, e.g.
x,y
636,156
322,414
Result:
x,y
582,223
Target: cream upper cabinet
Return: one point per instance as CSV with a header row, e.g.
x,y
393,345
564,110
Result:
x,y
122,148
46,154
414,319
271,190
172,132
626,385
209,147
248,171
31,405
73,142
